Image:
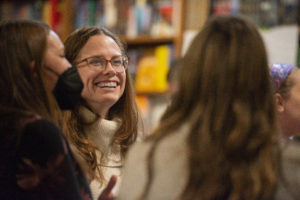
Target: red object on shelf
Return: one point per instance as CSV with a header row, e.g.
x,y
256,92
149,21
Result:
x,y
166,11
55,15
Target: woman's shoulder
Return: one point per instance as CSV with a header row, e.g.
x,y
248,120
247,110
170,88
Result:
x,y
291,158
291,152
169,149
138,151
289,184
135,170
44,135
172,142
39,125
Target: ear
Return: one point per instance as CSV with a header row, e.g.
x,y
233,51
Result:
x,y
32,65
279,101
32,68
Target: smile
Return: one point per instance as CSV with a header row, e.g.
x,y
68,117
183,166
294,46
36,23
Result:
x,y
107,85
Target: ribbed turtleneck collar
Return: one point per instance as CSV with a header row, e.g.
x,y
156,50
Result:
x,y
101,132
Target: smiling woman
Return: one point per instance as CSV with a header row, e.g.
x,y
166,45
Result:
x,y
96,94
105,124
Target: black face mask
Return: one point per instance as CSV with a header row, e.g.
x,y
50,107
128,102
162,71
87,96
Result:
x,y
67,91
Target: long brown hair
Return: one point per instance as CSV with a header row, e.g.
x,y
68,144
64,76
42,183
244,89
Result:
x,y
226,96
125,108
22,48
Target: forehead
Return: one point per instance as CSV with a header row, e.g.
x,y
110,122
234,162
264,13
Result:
x,y
100,45
295,75
53,41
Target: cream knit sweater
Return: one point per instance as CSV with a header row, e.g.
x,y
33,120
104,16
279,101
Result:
x,y
101,133
170,168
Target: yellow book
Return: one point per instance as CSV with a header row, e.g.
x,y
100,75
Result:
x,y
47,12
162,54
152,71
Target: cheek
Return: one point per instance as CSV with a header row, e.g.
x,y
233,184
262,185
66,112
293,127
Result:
x,y
293,105
57,64
50,80
295,97
49,60
84,75
64,64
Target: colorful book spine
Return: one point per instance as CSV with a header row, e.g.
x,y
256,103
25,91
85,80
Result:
x,y
55,15
47,12
92,6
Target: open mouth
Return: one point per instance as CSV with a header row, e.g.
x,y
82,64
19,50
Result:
x,y
107,84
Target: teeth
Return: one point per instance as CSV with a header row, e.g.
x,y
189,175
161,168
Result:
x,y
107,85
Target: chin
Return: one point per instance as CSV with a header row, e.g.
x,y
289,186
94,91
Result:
x,y
109,102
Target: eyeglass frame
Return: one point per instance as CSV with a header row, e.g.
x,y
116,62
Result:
x,y
124,58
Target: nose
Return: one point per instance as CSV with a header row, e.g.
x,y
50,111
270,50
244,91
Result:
x,y
109,69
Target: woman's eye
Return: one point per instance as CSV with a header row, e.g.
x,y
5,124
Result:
x,y
96,62
117,62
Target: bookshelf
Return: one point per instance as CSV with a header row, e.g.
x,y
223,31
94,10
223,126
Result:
x,y
146,39
141,24
270,16
152,31
56,13
265,14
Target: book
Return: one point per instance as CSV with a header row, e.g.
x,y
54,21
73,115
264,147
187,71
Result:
x,y
151,75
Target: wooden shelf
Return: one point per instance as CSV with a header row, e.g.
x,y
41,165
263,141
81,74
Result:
x,y
145,39
150,93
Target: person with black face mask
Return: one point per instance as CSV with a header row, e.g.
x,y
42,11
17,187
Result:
x,y
36,79
68,88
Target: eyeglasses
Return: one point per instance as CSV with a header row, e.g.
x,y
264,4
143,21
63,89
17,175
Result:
x,y
118,63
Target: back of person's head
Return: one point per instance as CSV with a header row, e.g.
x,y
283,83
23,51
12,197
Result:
x,y
225,95
22,48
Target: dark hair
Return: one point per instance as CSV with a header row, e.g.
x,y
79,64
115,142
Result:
x,y
226,97
125,108
22,48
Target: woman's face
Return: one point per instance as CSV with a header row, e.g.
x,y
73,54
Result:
x,y
103,87
289,111
55,61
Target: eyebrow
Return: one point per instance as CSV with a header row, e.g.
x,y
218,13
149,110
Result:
x,y
101,56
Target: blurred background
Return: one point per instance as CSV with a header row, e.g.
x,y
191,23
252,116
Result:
x,y
157,33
